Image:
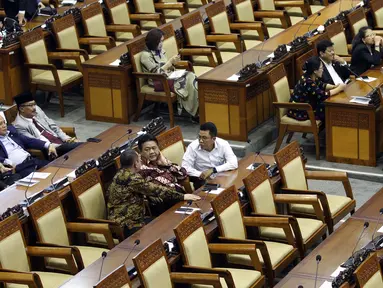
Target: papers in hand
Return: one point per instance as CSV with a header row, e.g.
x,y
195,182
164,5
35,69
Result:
x,y
177,74
186,210
368,79
360,100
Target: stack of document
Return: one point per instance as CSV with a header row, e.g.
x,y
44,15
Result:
x,y
360,100
177,74
69,2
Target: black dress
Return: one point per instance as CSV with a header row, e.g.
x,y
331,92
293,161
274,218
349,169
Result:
x,y
362,59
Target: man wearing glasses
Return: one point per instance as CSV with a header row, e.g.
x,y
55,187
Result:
x,y
32,122
208,155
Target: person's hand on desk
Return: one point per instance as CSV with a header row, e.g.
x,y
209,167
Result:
x,y
206,174
52,150
21,19
337,89
72,140
192,197
4,169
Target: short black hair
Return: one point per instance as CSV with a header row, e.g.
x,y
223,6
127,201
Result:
x,y
153,39
323,45
128,157
146,138
209,126
311,65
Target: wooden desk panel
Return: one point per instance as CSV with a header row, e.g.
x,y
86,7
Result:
x,y
370,209
293,281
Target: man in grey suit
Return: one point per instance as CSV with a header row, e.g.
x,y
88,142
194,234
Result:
x,y
31,121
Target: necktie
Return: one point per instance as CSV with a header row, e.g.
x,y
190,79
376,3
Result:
x,y
51,138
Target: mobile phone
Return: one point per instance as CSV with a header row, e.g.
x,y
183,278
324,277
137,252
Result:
x,y
365,77
185,209
94,140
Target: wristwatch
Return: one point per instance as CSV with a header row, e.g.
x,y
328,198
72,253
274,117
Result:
x,y
214,170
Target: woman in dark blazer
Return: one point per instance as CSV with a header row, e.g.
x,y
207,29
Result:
x,y
367,50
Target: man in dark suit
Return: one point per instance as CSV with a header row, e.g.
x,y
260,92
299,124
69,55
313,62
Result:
x,y
20,9
335,70
13,154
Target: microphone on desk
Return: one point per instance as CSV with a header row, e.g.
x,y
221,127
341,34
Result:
x,y
376,227
129,131
365,226
103,256
30,180
131,269
259,63
312,23
318,259
300,25
188,204
53,186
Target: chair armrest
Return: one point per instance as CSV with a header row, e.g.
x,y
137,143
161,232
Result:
x,y
183,64
27,278
107,41
332,176
66,56
93,220
37,153
221,272
113,226
196,278
301,199
182,7
70,131
289,105
92,228
256,25
49,67
82,52
223,38
150,75
289,3
132,28
196,51
282,15
158,17
66,253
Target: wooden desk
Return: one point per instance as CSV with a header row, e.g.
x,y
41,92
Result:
x,y
370,209
293,281
353,131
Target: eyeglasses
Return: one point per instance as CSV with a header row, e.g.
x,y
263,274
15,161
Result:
x,y
28,105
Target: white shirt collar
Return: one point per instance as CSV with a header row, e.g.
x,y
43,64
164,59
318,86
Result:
x,y
25,118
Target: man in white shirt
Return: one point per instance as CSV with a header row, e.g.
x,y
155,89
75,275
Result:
x,y
335,69
208,155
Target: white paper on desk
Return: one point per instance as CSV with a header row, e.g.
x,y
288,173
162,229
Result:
x,y
360,100
337,271
233,77
368,80
37,175
187,212
68,2
380,230
177,74
115,63
29,183
326,284
215,192
72,174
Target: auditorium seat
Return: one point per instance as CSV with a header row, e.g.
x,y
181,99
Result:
x,y
294,179
307,231
196,254
119,278
232,225
369,273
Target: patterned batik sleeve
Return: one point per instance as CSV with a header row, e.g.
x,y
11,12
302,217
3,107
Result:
x,y
163,192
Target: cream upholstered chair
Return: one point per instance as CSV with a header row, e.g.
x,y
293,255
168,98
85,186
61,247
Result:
x,y
119,278
196,254
196,37
170,45
336,33
281,93
52,228
232,226
170,10
357,19
219,23
154,271
377,13
300,61
369,273
294,177
144,91
307,232
43,75
94,26
15,259
271,6
88,193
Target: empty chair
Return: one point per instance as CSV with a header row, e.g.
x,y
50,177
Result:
x,y
369,273
119,278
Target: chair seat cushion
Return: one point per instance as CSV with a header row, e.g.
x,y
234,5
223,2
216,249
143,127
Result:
x,y
277,21
124,36
98,49
375,281
71,64
172,13
335,203
148,25
49,280
200,70
291,121
65,76
99,239
89,255
277,251
307,226
242,278
150,90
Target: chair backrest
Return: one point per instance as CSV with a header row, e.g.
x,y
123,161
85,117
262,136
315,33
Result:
x,y
291,167
119,278
170,42
135,48
357,19
152,266
377,12
335,32
228,213
47,216
144,6
218,19
300,61
13,255
243,10
66,32
194,30
10,114
93,20
88,193
193,243
321,37
266,5
34,49
280,86
369,274
171,144
118,11
259,191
